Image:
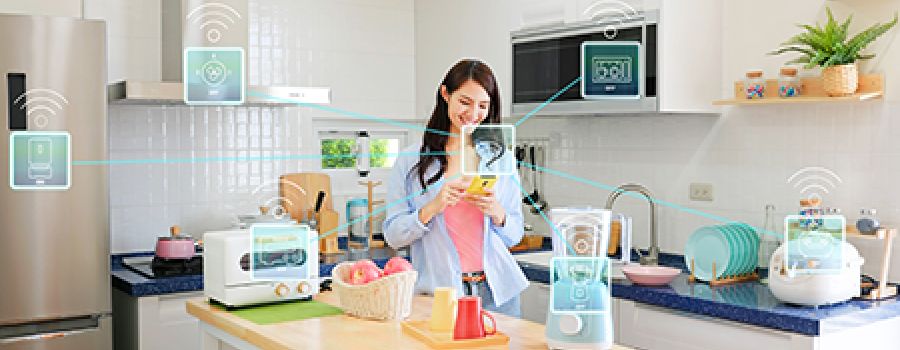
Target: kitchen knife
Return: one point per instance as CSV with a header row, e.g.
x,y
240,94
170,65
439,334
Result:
x,y
319,200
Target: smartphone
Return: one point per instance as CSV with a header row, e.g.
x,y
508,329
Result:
x,y
480,183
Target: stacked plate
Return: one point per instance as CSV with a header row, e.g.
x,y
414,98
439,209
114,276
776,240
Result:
x,y
733,248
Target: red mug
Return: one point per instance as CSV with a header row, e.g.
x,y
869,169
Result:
x,y
470,319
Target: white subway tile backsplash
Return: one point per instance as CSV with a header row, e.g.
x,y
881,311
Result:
x,y
198,166
747,154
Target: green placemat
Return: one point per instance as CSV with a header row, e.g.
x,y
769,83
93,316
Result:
x,y
284,312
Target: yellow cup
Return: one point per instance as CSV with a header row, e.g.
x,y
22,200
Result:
x,y
443,310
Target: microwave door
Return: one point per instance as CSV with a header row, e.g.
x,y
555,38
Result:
x,y
542,68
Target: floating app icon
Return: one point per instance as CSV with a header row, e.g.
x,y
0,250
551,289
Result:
x,y
610,69
40,160
580,285
814,243
283,252
214,75
493,150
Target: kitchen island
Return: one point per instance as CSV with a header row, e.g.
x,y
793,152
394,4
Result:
x,y
223,330
148,311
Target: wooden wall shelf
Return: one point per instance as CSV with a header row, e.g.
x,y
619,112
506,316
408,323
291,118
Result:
x,y
871,86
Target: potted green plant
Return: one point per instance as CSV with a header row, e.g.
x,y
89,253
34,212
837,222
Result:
x,y
829,47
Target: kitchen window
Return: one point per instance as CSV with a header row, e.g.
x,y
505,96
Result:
x,y
338,149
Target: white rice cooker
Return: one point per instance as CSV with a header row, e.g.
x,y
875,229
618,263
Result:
x,y
816,289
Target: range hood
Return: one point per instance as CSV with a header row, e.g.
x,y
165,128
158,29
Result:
x,y
204,23
172,93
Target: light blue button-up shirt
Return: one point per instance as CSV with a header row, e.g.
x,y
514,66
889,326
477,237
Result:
x,y
432,251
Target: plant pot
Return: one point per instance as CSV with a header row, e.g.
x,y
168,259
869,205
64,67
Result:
x,y
840,80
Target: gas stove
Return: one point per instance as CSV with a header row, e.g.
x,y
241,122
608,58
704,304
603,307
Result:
x,y
155,267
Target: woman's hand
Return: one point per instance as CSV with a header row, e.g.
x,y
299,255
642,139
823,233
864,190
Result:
x,y
451,193
489,205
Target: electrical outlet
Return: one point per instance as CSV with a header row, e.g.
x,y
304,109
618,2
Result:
x,y
702,192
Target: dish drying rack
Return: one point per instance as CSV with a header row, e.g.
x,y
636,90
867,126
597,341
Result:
x,y
716,281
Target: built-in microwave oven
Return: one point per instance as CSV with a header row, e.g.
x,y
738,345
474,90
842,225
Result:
x,y
548,59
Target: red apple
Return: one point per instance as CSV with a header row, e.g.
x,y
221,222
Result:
x,y
371,263
364,271
397,264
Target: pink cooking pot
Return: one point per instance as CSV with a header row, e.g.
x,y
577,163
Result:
x,y
176,246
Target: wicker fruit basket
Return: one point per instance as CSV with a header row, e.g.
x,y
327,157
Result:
x,y
387,298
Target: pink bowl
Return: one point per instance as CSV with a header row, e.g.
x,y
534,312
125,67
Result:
x,y
650,275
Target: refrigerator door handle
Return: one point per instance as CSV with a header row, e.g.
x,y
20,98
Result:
x,y
49,329
46,336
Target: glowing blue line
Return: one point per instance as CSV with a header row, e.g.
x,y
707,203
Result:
x,y
248,158
560,92
641,196
386,207
351,114
541,213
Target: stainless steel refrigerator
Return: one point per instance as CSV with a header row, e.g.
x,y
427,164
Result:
x,y
54,228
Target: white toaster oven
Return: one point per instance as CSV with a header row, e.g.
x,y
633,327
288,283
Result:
x,y
280,265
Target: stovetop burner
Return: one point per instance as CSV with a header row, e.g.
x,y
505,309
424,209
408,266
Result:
x,y
159,267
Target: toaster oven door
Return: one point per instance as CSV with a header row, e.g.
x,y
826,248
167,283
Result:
x,y
283,252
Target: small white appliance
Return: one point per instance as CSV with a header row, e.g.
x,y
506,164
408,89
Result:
x,y
579,313
281,274
816,289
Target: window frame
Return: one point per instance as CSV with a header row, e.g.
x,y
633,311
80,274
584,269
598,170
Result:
x,y
344,132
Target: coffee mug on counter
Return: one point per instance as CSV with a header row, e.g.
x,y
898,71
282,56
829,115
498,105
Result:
x,y
470,319
442,312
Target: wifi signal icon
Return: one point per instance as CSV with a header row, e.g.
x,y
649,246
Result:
x,y
814,181
277,205
214,17
612,12
41,104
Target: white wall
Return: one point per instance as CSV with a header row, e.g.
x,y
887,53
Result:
x,y
133,37
446,32
745,49
362,50
747,153
62,8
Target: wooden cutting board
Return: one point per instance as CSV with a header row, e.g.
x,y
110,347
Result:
x,y
299,191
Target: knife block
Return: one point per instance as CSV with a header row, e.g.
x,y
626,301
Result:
x,y
327,220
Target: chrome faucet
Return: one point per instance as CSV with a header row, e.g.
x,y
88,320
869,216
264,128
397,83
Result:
x,y
652,257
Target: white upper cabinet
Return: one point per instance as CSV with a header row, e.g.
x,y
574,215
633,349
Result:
x,y
689,62
690,55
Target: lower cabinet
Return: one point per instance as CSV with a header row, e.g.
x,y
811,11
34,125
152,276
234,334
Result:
x,y
648,327
158,322
534,301
643,326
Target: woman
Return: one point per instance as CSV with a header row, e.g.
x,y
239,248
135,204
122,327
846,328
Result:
x,y
457,239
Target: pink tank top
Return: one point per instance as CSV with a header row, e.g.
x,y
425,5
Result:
x,y
465,224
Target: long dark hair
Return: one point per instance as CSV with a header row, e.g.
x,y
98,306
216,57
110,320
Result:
x,y
435,142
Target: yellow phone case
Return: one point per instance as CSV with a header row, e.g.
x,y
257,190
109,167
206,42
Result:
x,y
480,183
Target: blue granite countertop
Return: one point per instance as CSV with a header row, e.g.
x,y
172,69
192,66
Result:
x,y
749,302
137,285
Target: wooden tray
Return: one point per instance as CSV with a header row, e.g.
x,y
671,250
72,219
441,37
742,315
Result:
x,y
444,340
